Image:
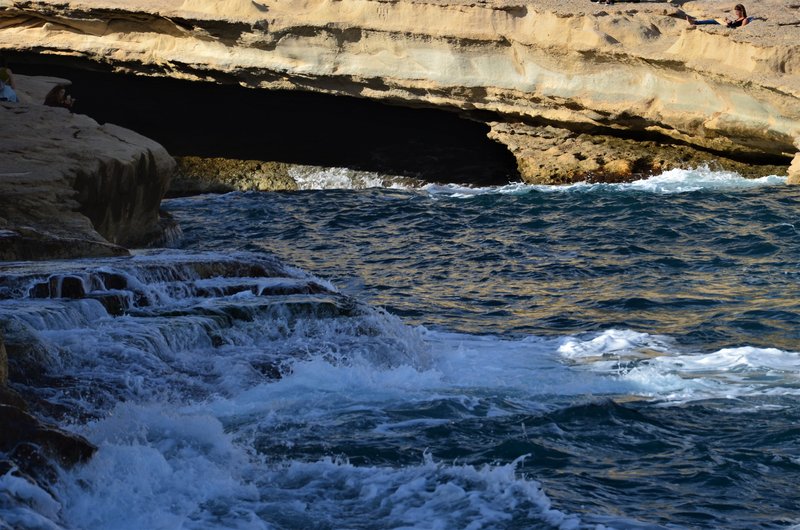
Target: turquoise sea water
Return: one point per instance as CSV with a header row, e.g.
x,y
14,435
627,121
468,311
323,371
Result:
x,y
591,356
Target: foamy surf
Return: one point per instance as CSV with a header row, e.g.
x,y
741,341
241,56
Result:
x,y
669,182
340,178
157,469
228,386
227,390
666,372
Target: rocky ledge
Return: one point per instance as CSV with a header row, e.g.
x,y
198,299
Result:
x,y
550,77
70,187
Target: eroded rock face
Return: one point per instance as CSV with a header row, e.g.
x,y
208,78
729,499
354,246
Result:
x,y
26,438
221,175
70,187
619,71
548,155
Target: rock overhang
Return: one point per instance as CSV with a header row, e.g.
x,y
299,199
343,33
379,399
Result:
x,y
624,70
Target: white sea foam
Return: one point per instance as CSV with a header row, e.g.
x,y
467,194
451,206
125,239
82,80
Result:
x,y
664,371
159,469
682,180
672,181
25,505
335,178
612,342
192,435
429,495
167,465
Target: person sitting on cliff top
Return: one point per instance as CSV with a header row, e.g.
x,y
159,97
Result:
x,y
57,97
6,75
740,20
7,93
8,88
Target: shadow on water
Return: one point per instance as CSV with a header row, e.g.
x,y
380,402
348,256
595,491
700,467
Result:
x,y
206,119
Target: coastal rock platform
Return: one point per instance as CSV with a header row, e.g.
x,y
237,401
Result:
x,y
70,187
631,72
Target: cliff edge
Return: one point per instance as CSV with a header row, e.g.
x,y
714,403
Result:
x,y
573,88
70,187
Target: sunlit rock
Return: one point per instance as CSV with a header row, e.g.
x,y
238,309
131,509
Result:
x,y
629,71
72,187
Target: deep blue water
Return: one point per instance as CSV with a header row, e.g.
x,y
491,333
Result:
x,y
711,269
717,267
593,356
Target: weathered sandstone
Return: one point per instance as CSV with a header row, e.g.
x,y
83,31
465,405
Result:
x,y
628,71
70,187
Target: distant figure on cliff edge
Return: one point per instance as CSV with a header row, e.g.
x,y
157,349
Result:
x,y
57,97
8,88
740,20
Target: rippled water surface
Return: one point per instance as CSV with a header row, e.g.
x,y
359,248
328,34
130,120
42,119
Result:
x,y
715,267
593,356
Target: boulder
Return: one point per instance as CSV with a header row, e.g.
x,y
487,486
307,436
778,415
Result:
x,y
70,187
28,439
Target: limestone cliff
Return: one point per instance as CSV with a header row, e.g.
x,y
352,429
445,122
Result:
x,y
629,72
70,187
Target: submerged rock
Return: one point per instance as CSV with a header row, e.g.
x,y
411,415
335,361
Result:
x,y
31,449
31,444
28,357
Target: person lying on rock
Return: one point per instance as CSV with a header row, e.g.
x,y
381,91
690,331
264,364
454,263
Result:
x,y
57,97
740,20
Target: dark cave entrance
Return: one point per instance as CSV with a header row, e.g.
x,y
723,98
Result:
x,y
205,119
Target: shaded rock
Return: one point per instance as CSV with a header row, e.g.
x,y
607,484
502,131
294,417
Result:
x,y
70,187
9,396
28,358
221,175
32,463
273,370
28,243
26,438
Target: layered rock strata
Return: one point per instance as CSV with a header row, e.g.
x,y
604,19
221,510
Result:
x,y
628,71
70,187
